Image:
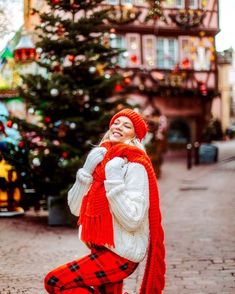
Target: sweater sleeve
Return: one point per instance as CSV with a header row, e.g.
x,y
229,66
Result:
x,y
129,199
78,190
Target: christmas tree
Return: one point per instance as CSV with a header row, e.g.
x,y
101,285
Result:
x,y
70,101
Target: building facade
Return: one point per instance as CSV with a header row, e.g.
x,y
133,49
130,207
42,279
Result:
x,y
170,63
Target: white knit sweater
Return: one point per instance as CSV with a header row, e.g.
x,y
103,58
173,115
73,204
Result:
x,y
129,203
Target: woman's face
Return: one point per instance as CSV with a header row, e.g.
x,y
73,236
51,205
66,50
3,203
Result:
x,y
121,130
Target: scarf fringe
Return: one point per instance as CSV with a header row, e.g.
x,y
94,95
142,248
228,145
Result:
x,y
94,232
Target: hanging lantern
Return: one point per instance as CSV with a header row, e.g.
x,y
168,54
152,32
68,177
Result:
x,y
25,50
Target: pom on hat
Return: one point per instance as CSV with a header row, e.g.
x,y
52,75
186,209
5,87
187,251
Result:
x,y
138,121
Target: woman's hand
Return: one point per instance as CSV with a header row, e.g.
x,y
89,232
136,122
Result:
x,y
114,169
93,159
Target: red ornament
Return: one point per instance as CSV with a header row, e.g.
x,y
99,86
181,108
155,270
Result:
x,y
134,58
186,63
9,123
127,81
47,119
21,144
118,88
55,2
176,68
65,154
202,88
71,58
57,68
2,128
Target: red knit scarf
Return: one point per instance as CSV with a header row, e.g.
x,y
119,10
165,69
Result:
x,y
96,218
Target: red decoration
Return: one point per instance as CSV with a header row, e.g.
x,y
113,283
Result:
x,y
21,144
65,154
57,68
60,30
9,123
186,63
25,50
2,128
203,88
47,119
127,81
71,58
55,1
134,58
176,68
118,88
26,54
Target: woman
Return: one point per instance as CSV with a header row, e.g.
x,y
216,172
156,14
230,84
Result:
x,y
115,196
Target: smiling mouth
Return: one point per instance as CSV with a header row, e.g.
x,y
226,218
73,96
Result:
x,y
116,133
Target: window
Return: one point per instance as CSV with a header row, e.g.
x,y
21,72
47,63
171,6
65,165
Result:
x,y
133,45
196,53
167,53
112,2
149,51
119,42
193,4
140,2
124,2
179,3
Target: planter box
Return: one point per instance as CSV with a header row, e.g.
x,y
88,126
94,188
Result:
x,y
208,153
58,212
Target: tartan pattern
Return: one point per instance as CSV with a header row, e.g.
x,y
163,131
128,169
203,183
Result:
x,y
101,272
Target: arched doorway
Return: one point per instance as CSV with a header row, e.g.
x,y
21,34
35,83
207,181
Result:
x,y
179,132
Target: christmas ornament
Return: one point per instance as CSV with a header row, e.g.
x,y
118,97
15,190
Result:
x,y
47,119
71,58
134,58
2,128
118,88
55,2
30,110
92,69
62,130
46,151
202,88
56,142
186,63
107,76
36,161
21,144
127,81
100,69
72,126
65,154
9,123
54,92
60,30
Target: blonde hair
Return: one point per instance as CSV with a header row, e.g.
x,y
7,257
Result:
x,y
133,142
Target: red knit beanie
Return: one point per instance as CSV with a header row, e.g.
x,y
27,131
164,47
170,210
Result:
x,y
138,121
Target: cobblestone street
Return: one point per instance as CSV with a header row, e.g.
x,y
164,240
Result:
x,y
198,208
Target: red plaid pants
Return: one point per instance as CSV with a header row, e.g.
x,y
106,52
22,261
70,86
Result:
x,y
101,272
